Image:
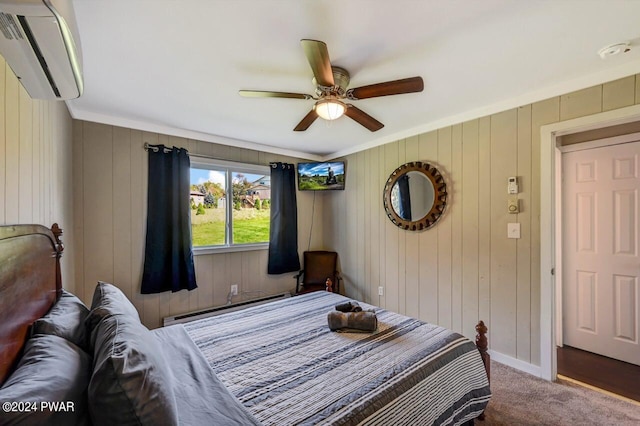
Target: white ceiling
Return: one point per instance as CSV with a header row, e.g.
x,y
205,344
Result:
x,y
175,66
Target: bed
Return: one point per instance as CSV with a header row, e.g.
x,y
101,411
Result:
x,y
62,362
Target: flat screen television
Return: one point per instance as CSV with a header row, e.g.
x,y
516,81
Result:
x,y
328,175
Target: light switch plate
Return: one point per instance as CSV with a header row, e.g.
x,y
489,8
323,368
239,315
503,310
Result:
x,y
513,230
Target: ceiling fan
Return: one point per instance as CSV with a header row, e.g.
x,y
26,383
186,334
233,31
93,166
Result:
x,y
331,89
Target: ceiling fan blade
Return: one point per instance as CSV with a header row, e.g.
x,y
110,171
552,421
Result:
x,y
306,121
395,87
318,57
265,94
363,118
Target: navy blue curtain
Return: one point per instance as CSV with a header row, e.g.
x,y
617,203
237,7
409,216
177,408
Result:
x,y
168,260
404,198
283,233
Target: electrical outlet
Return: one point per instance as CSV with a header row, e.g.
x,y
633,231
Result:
x,y
234,289
380,291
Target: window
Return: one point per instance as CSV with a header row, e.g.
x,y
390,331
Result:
x,y
229,205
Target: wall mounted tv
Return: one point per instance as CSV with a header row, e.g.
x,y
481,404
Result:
x,y
321,176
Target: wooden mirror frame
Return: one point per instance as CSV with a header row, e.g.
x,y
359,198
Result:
x,y
439,199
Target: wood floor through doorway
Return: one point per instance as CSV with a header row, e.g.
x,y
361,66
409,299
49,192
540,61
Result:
x,y
605,373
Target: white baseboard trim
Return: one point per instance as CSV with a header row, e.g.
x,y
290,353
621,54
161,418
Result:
x,y
534,370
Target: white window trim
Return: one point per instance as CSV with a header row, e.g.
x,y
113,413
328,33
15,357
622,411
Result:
x,y
202,250
229,167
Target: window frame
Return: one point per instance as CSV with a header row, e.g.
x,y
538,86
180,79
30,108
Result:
x,y
229,167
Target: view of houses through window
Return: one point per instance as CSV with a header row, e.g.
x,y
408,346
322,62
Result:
x,y
229,205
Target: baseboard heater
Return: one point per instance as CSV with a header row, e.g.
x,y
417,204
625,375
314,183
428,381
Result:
x,y
219,310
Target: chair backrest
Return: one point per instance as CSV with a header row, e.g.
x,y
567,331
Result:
x,y
320,265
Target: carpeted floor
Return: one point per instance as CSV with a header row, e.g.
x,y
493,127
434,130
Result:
x,y
521,399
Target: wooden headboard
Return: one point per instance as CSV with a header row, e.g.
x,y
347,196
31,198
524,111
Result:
x,y
30,283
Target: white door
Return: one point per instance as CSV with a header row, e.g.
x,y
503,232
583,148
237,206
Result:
x,y
601,264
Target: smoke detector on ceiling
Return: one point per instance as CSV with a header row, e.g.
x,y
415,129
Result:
x,y
614,49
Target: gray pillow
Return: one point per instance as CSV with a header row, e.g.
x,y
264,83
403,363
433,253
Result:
x,y
131,381
65,319
51,370
108,300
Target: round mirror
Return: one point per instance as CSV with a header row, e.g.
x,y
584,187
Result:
x,y
415,196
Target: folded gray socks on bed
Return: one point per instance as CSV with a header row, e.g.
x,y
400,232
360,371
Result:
x,y
350,316
349,306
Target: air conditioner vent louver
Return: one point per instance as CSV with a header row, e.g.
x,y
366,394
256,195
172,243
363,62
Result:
x,y
9,28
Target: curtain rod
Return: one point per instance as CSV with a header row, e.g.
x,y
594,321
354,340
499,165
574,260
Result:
x,y
155,148
274,165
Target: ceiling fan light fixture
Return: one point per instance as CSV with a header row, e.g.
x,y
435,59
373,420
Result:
x,y
330,109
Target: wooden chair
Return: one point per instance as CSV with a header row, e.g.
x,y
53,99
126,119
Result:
x,y
318,266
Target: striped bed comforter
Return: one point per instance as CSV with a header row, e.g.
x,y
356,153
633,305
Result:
x,y
284,364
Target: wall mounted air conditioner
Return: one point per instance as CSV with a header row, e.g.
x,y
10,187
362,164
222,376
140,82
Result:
x,y
40,43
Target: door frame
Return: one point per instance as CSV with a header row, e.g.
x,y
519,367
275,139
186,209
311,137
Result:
x,y
550,225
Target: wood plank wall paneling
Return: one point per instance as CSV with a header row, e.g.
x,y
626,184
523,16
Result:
x,y
443,230
372,237
523,245
411,258
391,233
428,270
399,302
503,250
619,93
470,212
3,141
360,223
465,268
484,218
35,163
12,148
110,187
122,190
580,103
78,203
25,163
457,264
